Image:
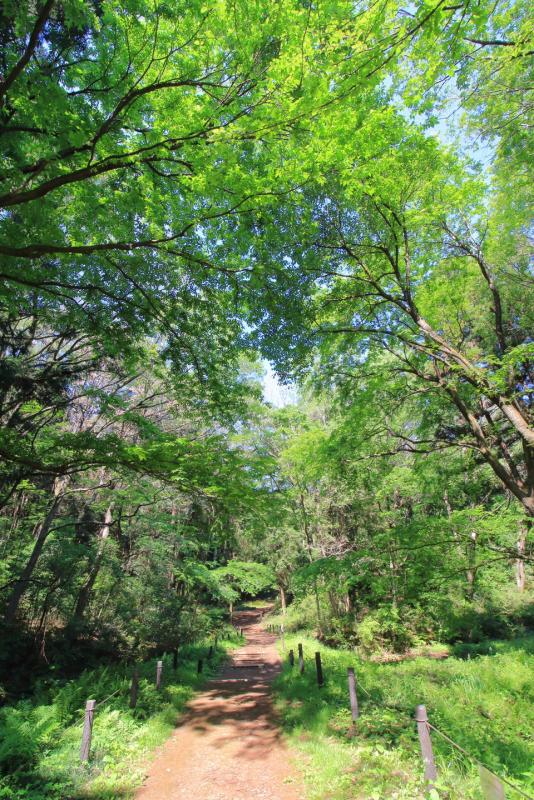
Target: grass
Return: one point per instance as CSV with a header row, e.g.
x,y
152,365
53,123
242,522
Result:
x,y
40,737
485,703
254,604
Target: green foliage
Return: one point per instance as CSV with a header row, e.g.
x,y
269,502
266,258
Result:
x,y
384,628
245,578
187,189
39,753
484,704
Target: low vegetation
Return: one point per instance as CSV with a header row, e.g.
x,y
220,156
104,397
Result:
x,y
484,703
41,735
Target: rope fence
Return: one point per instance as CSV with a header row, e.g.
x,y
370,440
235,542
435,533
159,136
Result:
x,y
92,705
479,763
492,784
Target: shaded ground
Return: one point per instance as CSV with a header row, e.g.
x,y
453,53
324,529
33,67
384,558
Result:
x,y
228,746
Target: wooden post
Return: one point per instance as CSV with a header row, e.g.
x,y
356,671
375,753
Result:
x,y
159,671
426,744
291,658
301,659
134,688
87,730
199,666
175,659
355,711
319,668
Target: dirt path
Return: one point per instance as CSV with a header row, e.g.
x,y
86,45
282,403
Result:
x,y
228,746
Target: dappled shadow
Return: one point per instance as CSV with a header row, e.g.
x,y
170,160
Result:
x,y
239,699
45,787
54,772
245,713
228,743
387,718
491,647
101,794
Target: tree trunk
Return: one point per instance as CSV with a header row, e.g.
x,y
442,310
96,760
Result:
x,y
522,489
447,503
283,600
471,564
309,545
84,594
42,531
520,561
318,607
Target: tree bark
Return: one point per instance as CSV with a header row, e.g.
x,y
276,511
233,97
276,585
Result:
x,y
520,575
309,545
471,564
85,592
283,600
43,529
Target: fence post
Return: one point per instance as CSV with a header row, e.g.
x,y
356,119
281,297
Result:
x,y
199,666
301,659
159,670
291,658
175,659
87,730
134,688
319,668
426,743
355,711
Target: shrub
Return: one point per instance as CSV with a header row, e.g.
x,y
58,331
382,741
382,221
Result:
x,y
383,629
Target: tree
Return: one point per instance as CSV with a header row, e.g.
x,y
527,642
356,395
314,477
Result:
x,y
398,262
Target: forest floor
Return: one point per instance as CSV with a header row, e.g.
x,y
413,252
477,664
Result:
x,y
228,745
485,703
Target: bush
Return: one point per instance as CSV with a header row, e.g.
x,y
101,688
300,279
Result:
x,y
383,630
40,736
26,731
484,704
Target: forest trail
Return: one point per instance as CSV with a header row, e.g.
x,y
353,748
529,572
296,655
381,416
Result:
x,y
228,745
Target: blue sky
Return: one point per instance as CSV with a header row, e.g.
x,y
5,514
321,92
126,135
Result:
x,y
274,392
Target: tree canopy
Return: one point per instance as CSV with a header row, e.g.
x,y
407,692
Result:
x,y
188,189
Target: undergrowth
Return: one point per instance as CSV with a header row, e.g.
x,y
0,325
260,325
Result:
x,y
484,703
40,737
